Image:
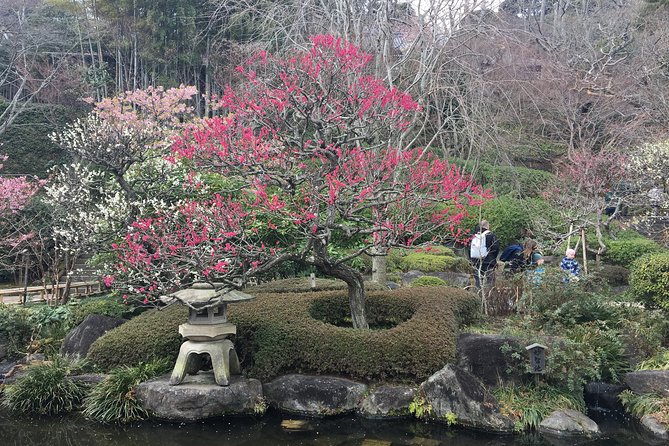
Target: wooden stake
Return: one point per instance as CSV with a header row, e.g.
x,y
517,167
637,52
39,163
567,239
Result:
x,y
585,258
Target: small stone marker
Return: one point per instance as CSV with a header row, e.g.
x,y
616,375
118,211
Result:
x,y
312,281
537,358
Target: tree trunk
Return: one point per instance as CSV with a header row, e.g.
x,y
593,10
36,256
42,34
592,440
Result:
x,y
379,265
356,289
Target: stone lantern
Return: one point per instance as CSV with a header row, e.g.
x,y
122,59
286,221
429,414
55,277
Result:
x,y
207,331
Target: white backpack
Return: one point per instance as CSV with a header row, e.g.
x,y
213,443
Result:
x,y
478,249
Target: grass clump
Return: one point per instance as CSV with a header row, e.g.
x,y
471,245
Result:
x,y
47,389
529,405
113,400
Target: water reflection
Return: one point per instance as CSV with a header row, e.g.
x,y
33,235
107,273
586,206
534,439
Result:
x,y
267,431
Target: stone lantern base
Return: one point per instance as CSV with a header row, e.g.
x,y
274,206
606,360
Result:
x,y
210,339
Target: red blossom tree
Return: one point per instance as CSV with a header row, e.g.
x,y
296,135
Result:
x,y
308,149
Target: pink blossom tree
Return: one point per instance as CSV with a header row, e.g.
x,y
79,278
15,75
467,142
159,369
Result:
x,y
308,148
15,231
584,178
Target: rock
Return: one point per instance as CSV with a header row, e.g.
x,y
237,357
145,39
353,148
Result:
x,y
568,422
314,395
89,378
603,396
648,381
199,397
78,341
455,390
393,285
654,427
410,276
387,402
482,355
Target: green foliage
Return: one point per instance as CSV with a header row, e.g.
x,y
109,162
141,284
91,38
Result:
x,y
15,328
276,333
151,336
46,389
628,247
642,404
428,281
508,217
659,361
50,322
27,141
529,405
420,408
110,305
428,261
516,181
113,400
649,280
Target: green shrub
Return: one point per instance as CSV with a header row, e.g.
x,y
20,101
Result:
x,y
151,336
628,247
529,405
427,261
518,181
649,280
277,333
49,322
113,400
645,404
110,305
303,285
15,329
46,389
428,281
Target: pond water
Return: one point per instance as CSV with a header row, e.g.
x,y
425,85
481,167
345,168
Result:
x,y
267,431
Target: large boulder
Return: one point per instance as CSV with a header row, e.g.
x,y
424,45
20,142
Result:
x,y
483,355
648,381
604,396
79,340
314,395
199,397
654,427
568,423
455,391
387,402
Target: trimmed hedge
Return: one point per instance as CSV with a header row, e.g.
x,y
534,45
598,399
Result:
x,y
286,333
649,280
428,281
151,336
427,261
303,285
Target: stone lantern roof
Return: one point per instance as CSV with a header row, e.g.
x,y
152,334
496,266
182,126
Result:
x,y
204,295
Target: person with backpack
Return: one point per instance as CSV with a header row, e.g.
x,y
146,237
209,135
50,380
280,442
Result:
x,y
483,251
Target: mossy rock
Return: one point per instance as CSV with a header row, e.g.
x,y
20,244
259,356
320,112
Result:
x,y
305,333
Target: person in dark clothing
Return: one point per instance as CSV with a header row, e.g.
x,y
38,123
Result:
x,y
484,250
